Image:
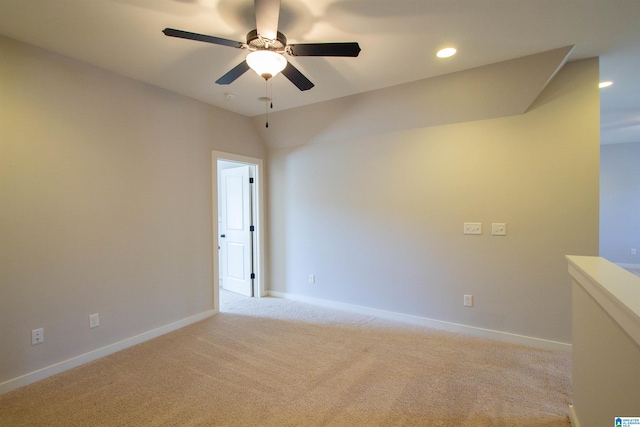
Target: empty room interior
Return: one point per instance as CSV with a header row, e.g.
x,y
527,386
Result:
x,y
265,241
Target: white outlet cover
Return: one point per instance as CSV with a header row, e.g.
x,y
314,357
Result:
x,y
37,336
94,321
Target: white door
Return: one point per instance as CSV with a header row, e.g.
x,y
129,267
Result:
x,y
235,232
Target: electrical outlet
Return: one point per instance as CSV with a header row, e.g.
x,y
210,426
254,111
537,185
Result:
x,y
37,336
634,251
499,229
94,321
472,228
468,300
312,279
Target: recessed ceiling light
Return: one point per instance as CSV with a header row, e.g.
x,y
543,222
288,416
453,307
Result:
x,y
446,52
229,95
605,84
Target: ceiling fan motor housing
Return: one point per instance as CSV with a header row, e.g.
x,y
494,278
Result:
x,y
257,42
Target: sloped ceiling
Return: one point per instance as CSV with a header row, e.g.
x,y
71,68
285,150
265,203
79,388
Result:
x,y
497,90
398,39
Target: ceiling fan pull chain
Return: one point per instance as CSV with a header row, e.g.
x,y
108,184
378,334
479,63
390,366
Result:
x,y
266,107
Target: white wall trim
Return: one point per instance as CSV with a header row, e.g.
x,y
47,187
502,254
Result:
x,y
573,417
613,288
431,323
261,277
634,266
59,367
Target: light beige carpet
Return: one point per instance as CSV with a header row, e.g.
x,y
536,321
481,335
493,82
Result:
x,y
273,362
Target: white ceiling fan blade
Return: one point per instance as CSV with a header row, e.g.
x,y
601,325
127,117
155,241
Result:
x,y
267,14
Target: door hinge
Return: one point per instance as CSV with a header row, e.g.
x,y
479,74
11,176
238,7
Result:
x,y
253,275
250,180
252,228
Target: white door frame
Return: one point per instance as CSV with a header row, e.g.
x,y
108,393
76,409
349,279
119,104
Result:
x,y
259,235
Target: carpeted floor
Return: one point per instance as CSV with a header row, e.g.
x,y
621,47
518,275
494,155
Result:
x,y
273,362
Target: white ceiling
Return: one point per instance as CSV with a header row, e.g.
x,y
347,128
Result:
x,y
398,38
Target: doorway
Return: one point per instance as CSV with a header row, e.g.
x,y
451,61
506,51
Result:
x,y
238,242
236,227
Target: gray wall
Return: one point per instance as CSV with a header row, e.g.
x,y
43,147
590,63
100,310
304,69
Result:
x,y
377,215
620,203
105,195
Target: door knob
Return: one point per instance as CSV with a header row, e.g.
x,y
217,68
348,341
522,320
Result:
x,y
223,236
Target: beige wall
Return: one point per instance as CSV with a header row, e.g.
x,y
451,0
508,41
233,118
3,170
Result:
x,y
105,205
377,213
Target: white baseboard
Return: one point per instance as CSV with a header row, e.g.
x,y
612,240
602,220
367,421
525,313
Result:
x,y
573,417
56,368
431,323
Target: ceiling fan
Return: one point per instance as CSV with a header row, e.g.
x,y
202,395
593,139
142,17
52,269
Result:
x,y
267,47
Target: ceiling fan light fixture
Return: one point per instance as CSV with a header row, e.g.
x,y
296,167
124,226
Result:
x,y
266,63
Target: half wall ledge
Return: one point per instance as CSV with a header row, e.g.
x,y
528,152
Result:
x,y
606,342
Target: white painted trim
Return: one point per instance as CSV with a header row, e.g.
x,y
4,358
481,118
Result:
x,y
431,323
633,266
261,277
59,367
573,417
615,289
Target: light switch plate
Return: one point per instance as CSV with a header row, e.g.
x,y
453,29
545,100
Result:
x,y
468,300
499,229
472,228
